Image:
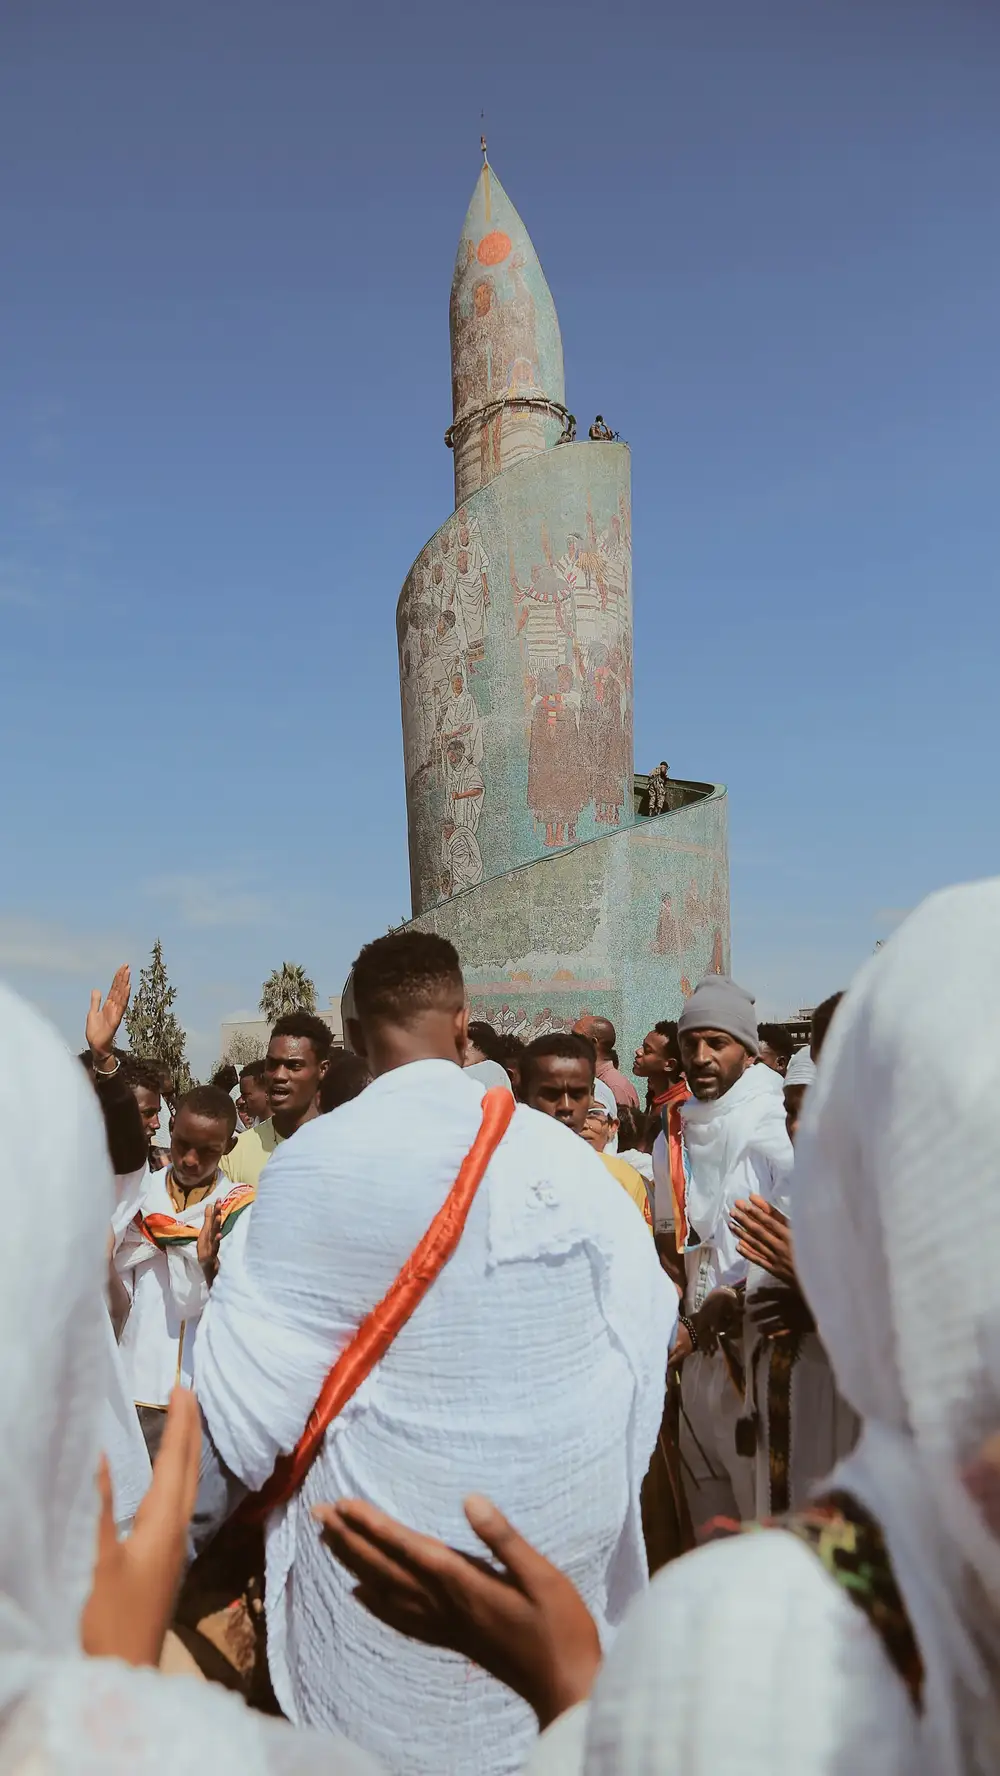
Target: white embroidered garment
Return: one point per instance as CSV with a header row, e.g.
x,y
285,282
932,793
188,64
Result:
x,y
62,1714
735,1146
169,1292
897,1235
533,1369
122,1439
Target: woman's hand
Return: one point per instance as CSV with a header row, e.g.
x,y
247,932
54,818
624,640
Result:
x,y
765,1238
527,1625
136,1581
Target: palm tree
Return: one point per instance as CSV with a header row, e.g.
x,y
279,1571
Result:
x,y
287,988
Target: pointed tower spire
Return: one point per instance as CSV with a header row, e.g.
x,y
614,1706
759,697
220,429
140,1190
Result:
x,y
506,351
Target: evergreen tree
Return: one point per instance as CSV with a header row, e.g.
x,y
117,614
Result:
x,y
153,1029
287,988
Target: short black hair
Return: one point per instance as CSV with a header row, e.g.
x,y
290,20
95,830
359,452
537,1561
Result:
x,y
821,1020
226,1076
561,1043
211,1102
777,1037
509,1048
345,1078
629,1122
404,973
308,1028
668,1030
137,1071
485,1038
253,1070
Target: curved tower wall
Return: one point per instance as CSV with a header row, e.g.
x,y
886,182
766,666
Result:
x,y
506,350
515,652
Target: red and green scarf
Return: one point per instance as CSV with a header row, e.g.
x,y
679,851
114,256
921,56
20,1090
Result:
x,y
168,1233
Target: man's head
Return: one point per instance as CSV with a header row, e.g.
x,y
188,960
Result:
x,y
717,1035
458,684
409,1001
225,1076
775,1047
599,1125
510,1050
145,1079
659,1057
253,1091
483,1044
598,1030
557,1077
297,1058
345,1078
821,1020
204,1130
663,768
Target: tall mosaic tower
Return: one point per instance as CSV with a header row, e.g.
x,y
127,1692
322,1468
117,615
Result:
x,y
514,628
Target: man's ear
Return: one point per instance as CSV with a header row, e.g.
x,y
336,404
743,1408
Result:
x,y
462,1032
324,1067
231,1143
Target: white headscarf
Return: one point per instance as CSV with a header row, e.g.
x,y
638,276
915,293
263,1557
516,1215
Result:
x,y
59,1712
897,1239
801,1068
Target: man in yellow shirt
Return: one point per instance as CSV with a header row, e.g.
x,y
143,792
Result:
x,y
557,1077
298,1055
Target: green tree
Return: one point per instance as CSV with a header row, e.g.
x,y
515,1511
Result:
x,y
242,1048
153,1029
287,988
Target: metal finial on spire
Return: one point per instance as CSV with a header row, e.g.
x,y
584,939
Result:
x,y
482,144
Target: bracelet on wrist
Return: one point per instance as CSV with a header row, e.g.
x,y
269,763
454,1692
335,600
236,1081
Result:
x,y
688,1324
99,1072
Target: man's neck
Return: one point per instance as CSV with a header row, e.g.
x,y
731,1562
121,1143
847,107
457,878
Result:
x,y
186,1198
287,1121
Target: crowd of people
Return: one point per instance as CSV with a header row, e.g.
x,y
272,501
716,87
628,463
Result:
x,y
478,1408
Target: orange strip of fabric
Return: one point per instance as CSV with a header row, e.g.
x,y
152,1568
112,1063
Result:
x,y
377,1331
675,1149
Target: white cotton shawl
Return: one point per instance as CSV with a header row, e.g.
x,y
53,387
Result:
x,y
728,1140
896,1215
62,1714
897,1237
532,1370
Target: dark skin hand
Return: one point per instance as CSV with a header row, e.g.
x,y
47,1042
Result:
x,y
765,1238
527,1625
779,1312
719,1316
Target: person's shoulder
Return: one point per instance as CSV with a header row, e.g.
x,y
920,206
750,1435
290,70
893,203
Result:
x,y
621,1169
811,1683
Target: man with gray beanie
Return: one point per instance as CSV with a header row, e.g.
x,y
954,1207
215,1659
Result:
x,y
726,1142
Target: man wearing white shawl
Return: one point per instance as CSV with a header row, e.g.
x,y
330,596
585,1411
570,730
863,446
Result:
x,y
533,1365
734,1144
62,1713
750,1655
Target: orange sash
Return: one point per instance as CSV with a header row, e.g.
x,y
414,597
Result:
x,y
377,1331
672,1127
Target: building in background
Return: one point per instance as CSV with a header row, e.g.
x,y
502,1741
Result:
x,y
514,629
238,1036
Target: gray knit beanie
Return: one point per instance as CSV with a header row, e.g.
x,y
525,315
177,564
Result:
x,y
717,1003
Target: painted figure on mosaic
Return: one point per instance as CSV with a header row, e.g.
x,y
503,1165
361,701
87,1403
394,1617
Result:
x,y
602,734
470,593
557,768
461,720
461,859
465,788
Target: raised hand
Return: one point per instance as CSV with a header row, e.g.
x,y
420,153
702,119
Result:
x,y
526,1624
719,1316
208,1240
765,1238
103,1021
135,1581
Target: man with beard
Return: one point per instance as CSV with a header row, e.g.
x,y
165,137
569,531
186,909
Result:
x,y
298,1055
730,1143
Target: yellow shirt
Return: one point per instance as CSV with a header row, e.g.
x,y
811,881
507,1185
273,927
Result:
x,y
628,1178
252,1151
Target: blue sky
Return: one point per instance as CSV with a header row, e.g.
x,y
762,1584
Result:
x,y
772,230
